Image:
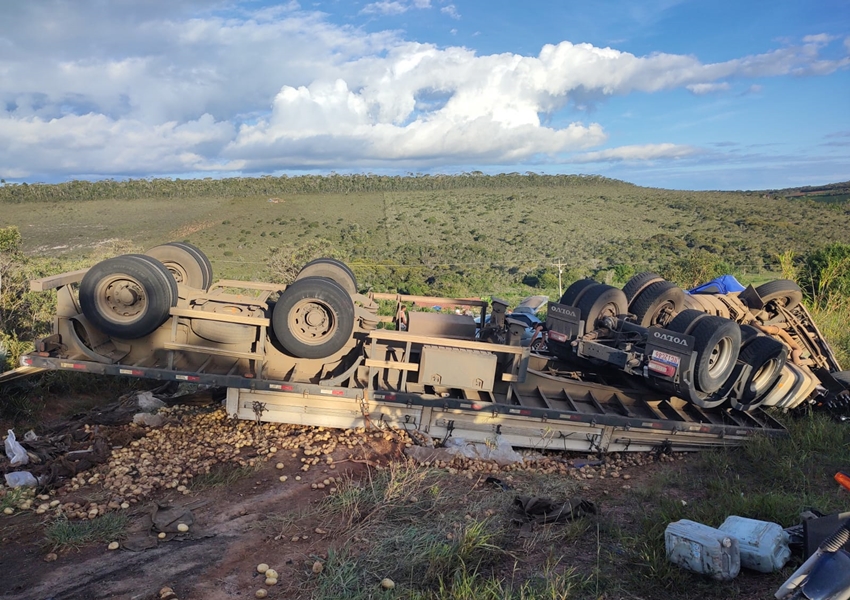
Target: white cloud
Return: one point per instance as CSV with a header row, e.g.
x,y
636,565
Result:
x,y
171,86
98,144
701,89
820,39
385,8
450,10
394,7
638,153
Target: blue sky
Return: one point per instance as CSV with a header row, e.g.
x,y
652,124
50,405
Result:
x,y
664,93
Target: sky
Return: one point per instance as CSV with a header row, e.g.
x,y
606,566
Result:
x,y
677,94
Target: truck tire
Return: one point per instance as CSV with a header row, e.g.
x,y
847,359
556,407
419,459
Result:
x,y
576,289
717,343
638,283
330,268
187,263
657,304
313,318
600,301
748,333
783,292
128,296
767,357
684,322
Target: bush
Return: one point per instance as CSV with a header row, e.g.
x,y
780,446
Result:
x,y
695,268
826,272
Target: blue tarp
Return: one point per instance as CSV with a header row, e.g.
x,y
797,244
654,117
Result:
x,y
720,285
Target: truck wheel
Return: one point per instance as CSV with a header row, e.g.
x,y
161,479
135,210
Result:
x,y
313,318
685,321
330,268
717,342
128,296
638,283
657,304
601,301
187,263
575,291
767,358
748,334
783,292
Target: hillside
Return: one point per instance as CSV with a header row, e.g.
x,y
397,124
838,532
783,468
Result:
x,y
462,234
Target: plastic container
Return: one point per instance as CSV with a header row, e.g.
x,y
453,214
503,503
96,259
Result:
x,y
763,545
702,549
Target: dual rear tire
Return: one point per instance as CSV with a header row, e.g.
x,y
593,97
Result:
x,y
128,296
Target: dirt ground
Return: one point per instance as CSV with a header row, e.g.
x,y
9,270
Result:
x,y
235,527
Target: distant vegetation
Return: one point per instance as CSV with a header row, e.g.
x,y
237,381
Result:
x,y
460,235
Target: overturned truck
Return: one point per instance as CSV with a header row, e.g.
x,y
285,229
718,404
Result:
x,y
645,368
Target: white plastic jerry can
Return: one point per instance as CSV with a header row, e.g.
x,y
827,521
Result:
x,y
763,545
702,549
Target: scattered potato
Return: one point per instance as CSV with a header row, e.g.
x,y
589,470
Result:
x,y
182,527
387,583
261,593
262,568
113,546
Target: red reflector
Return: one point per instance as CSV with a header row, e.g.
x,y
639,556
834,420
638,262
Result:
x,y
658,367
337,392
557,337
26,361
287,388
75,366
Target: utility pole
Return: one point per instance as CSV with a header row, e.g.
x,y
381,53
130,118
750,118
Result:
x,y
560,270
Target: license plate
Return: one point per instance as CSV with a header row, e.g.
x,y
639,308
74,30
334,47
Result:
x,y
664,357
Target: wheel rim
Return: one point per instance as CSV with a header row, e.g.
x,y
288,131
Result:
x,y
609,310
312,321
719,358
177,271
765,375
663,314
121,298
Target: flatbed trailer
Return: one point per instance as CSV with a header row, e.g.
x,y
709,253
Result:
x,y
278,351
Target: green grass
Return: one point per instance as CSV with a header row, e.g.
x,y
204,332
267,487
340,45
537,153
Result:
x,y
12,498
440,536
475,234
63,534
222,474
768,479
